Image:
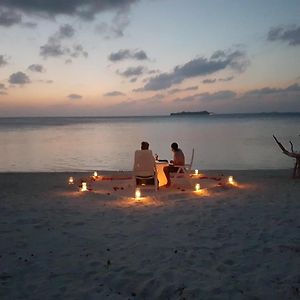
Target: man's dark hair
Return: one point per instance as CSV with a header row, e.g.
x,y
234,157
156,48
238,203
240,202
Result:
x,y
174,146
145,146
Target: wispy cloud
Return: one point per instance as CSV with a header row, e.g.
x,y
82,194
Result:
x,y
175,91
36,68
289,34
226,78
74,97
128,54
55,48
220,60
132,71
262,94
271,91
19,78
217,96
3,61
117,27
3,89
114,93
205,81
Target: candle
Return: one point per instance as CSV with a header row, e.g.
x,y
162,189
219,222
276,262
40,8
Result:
x,y
84,187
137,193
197,187
196,172
95,174
71,180
230,180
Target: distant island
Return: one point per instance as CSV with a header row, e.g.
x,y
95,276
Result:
x,y
191,113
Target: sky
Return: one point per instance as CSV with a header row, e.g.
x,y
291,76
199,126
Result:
x,y
148,57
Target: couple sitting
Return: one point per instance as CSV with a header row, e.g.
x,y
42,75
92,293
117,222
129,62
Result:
x,y
145,166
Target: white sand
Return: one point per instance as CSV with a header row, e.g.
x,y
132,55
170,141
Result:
x,y
224,243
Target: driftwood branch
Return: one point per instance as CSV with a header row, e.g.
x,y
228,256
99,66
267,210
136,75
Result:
x,y
296,171
286,152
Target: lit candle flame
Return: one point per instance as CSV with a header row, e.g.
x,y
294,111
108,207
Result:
x,y
137,193
196,172
95,174
84,187
71,180
230,180
197,187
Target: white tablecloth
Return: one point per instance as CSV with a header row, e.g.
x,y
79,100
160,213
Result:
x,y
160,173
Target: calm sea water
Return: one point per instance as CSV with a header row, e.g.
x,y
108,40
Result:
x,y
81,144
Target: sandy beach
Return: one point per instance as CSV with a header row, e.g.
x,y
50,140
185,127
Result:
x,y
225,242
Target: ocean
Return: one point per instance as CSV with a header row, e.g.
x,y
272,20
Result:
x,y
231,142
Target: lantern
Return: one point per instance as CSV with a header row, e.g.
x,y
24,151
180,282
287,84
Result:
x,y
230,180
137,193
84,187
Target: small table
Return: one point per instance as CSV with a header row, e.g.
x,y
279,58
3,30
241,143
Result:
x,y
160,172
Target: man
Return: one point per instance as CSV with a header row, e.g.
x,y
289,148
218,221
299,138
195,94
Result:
x,y
144,165
178,160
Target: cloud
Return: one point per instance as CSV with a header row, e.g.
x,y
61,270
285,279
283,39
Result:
x,y
282,99
128,54
113,93
3,61
19,78
133,79
201,66
9,17
2,89
52,50
205,81
74,96
117,27
55,48
226,79
175,91
46,81
289,34
294,88
36,68
208,97
218,96
85,9
132,71
65,32
29,24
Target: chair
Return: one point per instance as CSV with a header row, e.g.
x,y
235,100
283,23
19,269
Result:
x,y
144,170
185,170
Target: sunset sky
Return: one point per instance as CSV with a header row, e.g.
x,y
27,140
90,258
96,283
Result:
x,y
148,57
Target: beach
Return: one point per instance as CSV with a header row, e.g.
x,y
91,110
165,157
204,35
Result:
x,y
225,242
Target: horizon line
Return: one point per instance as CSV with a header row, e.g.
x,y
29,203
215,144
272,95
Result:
x,y
164,115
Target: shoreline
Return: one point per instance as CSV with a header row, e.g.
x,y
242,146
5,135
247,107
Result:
x,y
229,242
